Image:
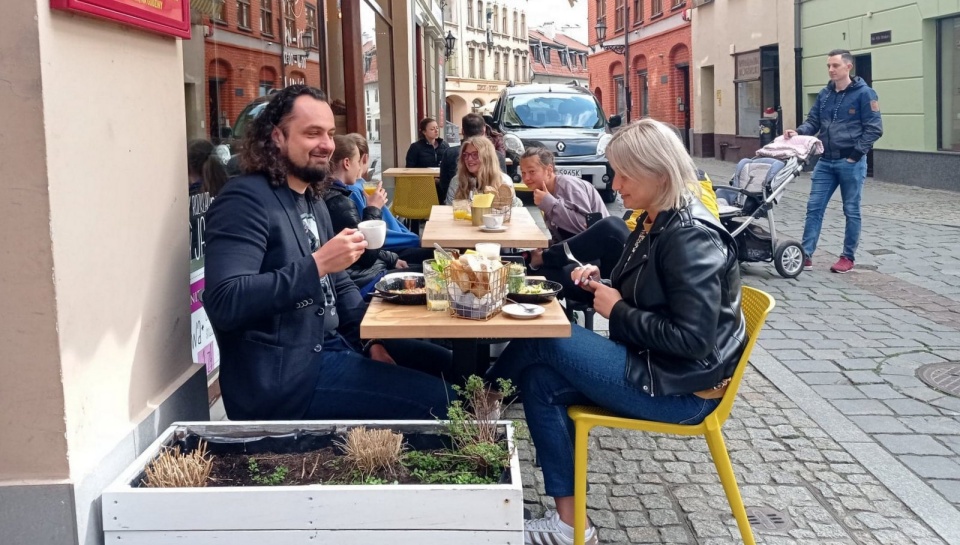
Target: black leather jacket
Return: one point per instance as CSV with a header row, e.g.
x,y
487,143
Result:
x,y
680,315
343,215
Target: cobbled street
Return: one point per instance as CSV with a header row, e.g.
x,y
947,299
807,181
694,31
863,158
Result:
x,y
833,437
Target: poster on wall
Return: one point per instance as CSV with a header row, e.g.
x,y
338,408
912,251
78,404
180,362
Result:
x,y
168,17
203,345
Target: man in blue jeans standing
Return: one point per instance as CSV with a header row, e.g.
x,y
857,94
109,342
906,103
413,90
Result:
x,y
846,118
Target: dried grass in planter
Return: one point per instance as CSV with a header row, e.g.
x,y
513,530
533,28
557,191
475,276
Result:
x,y
174,469
370,451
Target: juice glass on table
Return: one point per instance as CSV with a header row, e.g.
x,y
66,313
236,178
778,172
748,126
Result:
x,y
461,210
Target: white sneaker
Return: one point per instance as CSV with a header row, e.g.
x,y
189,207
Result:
x,y
550,530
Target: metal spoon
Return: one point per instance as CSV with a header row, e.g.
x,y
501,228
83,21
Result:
x,y
443,252
529,309
566,250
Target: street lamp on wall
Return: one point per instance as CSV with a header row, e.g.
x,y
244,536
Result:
x,y
307,41
448,44
601,29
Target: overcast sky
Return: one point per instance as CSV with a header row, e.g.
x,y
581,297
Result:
x,y
561,14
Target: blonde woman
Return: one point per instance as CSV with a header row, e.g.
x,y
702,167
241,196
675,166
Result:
x,y
477,169
676,328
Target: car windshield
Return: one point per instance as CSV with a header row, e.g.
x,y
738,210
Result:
x,y
246,116
552,110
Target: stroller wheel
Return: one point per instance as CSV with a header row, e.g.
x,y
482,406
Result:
x,y
788,258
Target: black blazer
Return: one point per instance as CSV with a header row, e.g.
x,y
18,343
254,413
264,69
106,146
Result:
x,y
680,313
421,154
264,300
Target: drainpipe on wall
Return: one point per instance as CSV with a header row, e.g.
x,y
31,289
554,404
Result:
x,y
797,62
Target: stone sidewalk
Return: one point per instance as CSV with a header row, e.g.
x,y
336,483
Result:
x,y
832,428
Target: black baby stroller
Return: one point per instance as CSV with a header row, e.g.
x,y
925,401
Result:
x,y
753,193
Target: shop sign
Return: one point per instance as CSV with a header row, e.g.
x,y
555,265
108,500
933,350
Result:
x,y
882,37
748,66
169,17
293,59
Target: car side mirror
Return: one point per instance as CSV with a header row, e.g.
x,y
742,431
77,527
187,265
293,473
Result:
x,y
488,119
226,132
614,121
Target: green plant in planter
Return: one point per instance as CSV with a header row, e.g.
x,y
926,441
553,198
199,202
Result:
x,y
275,478
472,424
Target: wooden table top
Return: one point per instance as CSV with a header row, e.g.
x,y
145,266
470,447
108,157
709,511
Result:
x,y
389,321
399,172
521,232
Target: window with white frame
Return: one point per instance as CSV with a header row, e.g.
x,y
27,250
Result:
x,y
948,74
243,14
266,17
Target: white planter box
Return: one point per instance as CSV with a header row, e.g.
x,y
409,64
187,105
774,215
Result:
x,y
313,514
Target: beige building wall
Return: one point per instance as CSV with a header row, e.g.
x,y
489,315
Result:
x,y
32,427
716,39
116,167
94,272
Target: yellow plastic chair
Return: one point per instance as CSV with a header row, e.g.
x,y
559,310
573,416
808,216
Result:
x,y
756,305
413,197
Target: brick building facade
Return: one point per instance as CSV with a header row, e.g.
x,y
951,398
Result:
x,y
658,71
254,46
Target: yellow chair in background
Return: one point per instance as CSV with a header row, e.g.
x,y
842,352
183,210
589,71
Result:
x,y
756,305
413,197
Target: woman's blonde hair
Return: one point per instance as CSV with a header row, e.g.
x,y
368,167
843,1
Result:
x,y
487,175
651,149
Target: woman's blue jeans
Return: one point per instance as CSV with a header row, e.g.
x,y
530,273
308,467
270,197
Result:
x,y
553,374
828,175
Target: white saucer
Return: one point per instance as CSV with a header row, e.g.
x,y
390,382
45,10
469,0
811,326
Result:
x,y
525,312
486,229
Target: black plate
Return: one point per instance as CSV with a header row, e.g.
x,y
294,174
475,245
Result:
x,y
551,289
384,287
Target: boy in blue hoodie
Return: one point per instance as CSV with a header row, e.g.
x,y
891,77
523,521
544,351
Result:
x,y
400,240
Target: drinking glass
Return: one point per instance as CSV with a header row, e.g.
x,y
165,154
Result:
x,y
461,210
436,286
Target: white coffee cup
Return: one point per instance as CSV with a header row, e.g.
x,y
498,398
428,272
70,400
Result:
x,y
374,231
492,221
489,250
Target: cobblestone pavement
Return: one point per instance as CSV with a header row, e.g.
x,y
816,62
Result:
x,y
832,426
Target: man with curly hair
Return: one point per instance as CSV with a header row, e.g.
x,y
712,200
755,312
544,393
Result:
x,y
285,313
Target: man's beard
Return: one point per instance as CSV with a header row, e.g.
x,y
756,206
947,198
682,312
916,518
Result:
x,y
308,174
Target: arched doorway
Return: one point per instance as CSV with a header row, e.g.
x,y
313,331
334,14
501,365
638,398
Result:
x,y
267,80
457,107
641,92
680,63
618,90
